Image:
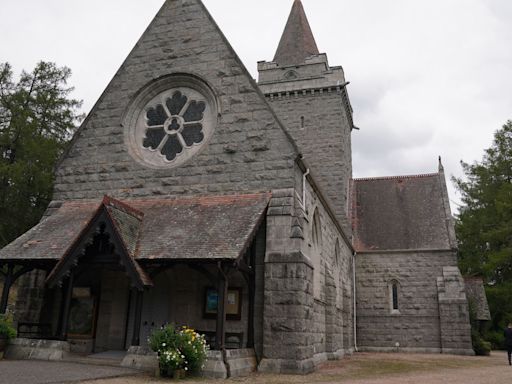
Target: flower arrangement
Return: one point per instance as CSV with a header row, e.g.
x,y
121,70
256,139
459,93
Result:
x,y
179,350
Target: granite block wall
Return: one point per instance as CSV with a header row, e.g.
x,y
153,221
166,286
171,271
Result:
x,y
419,323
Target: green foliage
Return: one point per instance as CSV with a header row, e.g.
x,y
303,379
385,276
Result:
x,y
6,328
179,349
37,119
480,346
496,339
484,224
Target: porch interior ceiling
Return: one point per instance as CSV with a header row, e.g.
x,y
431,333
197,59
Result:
x,y
213,227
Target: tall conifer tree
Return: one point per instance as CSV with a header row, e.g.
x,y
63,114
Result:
x,y
37,119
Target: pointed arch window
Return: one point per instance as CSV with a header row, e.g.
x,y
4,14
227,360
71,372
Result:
x,y
316,253
316,230
394,296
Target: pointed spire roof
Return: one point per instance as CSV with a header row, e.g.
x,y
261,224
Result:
x,y
297,42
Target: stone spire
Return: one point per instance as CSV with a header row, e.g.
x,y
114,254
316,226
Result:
x,y
297,42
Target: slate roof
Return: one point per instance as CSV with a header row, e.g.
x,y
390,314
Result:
x,y
126,223
400,213
297,42
475,292
214,227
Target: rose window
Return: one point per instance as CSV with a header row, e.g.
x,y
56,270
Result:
x,y
171,122
174,126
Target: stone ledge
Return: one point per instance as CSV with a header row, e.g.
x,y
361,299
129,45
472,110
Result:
x,y
141,358
242,362
29,349
295,367
214,367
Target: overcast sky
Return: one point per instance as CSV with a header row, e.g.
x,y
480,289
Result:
x,y
428,77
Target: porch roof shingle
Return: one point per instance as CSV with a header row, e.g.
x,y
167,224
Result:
x,y
213,227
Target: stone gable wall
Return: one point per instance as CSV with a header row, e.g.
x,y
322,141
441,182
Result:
x,y
417,326
248,151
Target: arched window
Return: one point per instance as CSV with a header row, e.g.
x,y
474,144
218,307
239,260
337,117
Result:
x,y
337,255
316,231
338,275
316,254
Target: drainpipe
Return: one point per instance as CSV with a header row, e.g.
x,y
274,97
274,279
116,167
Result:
x,y
355,301
304,190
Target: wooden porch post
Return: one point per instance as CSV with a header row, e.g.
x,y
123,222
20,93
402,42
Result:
x,y
251,283
8,280
250,320
222,289
65,308
138,317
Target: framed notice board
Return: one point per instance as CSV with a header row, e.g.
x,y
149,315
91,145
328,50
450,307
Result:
x,y
233,303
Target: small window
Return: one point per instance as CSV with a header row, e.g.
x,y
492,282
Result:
x,y
337,256
291,75
394,296
302,122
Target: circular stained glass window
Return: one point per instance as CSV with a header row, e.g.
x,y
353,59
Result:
x,y
171,122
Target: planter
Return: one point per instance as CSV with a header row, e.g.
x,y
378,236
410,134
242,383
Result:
x,y
179,374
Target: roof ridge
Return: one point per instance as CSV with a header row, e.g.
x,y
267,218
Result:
x,y
125,207
415,176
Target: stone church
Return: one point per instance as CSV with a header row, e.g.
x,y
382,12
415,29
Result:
x,y
194,195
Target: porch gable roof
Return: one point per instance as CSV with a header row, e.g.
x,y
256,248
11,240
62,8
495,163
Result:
x,y
212,227
125,224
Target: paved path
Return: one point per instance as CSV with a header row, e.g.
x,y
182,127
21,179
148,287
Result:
x,y
43,372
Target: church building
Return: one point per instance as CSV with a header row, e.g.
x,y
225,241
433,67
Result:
x,y
194,195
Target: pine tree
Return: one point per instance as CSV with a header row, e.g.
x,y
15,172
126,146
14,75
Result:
x,y
37,120
484,225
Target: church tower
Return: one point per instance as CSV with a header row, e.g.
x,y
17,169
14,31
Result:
x,y
311,100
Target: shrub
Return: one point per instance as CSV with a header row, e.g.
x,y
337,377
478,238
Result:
x,y
178,349
496,339
6,328
480,346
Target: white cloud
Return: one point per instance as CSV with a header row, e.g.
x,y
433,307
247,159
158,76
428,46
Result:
x,y
428,77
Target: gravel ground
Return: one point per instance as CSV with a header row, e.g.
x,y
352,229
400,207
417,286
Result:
x,y
377,369
44,372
